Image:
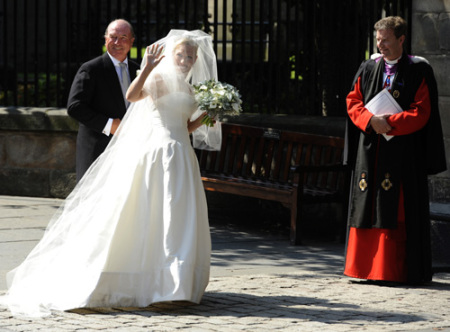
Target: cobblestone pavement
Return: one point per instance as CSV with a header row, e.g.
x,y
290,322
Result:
x,y
258,283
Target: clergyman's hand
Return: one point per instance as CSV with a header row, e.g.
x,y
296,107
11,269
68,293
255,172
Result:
x,y
380,124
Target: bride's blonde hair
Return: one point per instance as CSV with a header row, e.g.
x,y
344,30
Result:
x,y
186,41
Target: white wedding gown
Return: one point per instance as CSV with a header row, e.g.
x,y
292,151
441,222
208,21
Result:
x,y
134,231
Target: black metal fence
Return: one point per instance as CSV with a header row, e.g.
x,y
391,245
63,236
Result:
x,y
285,56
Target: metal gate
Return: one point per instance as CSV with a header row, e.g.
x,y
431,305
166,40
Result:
x,y
285,56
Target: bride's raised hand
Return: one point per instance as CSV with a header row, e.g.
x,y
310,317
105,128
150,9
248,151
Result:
x,y
154,55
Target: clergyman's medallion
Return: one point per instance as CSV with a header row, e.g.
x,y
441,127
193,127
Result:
x,y
363,183
386,184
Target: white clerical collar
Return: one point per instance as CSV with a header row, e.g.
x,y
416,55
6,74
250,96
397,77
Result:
x,y
392,62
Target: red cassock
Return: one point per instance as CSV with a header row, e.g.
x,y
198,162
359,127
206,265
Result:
x,y
377,253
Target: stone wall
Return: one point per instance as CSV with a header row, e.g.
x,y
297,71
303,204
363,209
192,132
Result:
x,y
37,152
431,39
37,146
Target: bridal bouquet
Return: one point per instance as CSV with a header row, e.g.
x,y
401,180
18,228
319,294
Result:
x,y
217,99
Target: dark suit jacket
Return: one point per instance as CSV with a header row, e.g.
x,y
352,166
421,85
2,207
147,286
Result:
x,y
95,96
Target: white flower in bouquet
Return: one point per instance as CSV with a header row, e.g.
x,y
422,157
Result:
x,y
217,99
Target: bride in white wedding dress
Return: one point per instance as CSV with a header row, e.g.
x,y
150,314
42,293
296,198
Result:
x,y
135,230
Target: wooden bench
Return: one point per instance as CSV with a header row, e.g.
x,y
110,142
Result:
x,y
277,165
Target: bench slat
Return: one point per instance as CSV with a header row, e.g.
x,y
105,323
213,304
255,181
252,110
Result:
x,y
250,156
259,157
244,188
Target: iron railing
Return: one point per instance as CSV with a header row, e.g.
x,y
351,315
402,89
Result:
x,y
285,56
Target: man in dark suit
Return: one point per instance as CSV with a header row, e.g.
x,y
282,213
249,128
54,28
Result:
x,y
97,96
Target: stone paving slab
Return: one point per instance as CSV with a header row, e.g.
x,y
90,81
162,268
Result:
x,y
258,283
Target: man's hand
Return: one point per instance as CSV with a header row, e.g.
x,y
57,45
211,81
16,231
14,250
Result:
x,y
114,126
380,124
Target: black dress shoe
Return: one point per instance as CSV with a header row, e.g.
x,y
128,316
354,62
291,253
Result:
x,y
382,283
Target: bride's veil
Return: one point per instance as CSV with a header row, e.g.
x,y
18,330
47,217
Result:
x,y
86,211
205,68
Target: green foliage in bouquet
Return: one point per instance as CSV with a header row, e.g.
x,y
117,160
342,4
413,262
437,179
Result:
x,y
217,99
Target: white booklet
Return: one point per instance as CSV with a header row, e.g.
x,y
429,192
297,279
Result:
x,y
383,103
